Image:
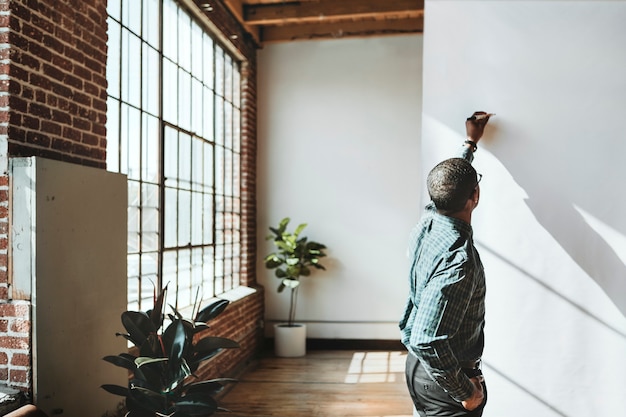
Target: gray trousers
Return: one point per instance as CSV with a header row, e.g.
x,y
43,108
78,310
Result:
x,y
429,398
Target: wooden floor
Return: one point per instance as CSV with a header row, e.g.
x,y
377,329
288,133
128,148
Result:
x,y
338,383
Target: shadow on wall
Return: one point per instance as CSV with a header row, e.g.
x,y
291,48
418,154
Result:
x,y
568,188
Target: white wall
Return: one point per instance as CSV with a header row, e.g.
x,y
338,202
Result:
x,y
338,127
550,227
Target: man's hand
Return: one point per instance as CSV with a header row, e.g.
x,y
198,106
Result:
x,y
477,397
475,125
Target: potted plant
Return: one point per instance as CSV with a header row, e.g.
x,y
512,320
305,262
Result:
x,y
162,373
293,258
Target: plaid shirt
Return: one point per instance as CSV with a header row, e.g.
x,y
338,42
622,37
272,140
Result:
x,y
445,313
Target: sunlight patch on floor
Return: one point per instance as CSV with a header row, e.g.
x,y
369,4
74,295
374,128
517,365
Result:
x,y
376,367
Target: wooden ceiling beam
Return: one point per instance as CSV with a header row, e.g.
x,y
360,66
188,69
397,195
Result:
x,y
236,8
334,30
317,11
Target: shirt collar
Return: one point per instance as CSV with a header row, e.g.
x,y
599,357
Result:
x,y
462,227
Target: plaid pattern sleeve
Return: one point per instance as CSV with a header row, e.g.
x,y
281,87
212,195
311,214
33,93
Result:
x,y
438,326
444,316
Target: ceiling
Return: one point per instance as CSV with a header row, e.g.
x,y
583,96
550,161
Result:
x,y
270,21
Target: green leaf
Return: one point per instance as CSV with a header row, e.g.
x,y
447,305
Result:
x,y
142,360
290,283
292,261
156,314
282,226
196,404
138,325
122,361
212,310
211,387
115,389
299,229
175,340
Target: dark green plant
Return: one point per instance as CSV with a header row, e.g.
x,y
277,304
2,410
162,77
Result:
x,y
292,259
162,380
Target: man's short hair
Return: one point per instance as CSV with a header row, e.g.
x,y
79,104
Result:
x,y
450,183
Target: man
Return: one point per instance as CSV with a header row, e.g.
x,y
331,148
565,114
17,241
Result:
x,y
443,323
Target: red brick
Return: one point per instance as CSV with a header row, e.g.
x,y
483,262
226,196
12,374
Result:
x,y
11,342
20,359
20,326
18,376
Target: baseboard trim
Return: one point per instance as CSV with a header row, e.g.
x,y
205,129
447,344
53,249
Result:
x,y
346,344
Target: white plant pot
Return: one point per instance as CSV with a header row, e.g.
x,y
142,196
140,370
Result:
x,y
289,342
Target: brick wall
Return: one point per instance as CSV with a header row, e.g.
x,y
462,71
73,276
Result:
x,y
53,105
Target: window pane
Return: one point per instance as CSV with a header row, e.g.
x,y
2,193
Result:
x,y
236,86
207,219
124,138
197,165
236,179
114,9
208,60
208,272
171,216
228,173
170,157
131,69
131,15
170,272
150,74
219,120
219,71
134,200
219,170
208,115
170,28
197,109
185,294
196,271
208,167
184,161
170,91
149,217
134,143
151,22
196,50
184,41
150,149
184,99
196,218
236,130
228,78
184,218
228,125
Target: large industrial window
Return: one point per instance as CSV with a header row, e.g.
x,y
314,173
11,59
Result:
x,y
173,127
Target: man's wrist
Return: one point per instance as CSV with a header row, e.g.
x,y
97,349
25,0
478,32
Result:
x,y
471,143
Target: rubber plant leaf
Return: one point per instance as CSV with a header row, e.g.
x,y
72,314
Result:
x,y
142,361
156,314
208,347
116,389
196,404
147,398
138,325
211,387
211,311
122,361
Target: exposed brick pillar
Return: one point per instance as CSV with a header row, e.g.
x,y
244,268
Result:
x,y
52,104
